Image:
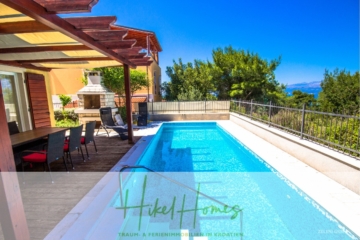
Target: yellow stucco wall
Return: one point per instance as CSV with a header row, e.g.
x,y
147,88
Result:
x,y
66,81
154,75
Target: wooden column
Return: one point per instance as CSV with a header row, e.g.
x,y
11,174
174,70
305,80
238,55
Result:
x,y
128,103
12,215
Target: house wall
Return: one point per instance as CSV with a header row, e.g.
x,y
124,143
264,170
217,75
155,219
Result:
x,y
22,96
66,81
154,74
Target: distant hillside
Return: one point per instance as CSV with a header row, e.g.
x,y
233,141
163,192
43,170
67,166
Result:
x,y
311,88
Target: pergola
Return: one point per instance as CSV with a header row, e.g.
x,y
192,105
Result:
x,y
33,36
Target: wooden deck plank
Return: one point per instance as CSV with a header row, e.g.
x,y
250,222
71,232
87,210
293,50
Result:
x,y
46,203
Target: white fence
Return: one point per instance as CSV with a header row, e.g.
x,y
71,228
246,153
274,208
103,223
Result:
x,y
186,107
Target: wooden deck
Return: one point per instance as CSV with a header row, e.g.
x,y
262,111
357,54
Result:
x,y
47,203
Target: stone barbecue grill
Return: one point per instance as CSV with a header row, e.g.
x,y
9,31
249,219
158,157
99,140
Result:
x,y
92,97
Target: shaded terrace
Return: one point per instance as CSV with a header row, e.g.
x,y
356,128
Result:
x,y
35,39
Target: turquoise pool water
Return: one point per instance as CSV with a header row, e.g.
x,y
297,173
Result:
x,y
206,158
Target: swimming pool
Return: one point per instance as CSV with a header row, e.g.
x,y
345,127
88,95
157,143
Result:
x,y
203,154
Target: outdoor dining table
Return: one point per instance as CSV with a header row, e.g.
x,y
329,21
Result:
x,y
22,138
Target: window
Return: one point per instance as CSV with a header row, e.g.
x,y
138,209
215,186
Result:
x,y
9,94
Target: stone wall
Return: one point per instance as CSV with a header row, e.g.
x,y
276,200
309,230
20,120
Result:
x,y
188,117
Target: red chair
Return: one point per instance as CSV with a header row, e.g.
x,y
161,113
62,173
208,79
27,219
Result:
x,y
54,151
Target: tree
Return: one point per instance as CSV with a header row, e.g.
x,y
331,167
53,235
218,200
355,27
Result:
x,y
299,98
340,92
178,80
232,74
84,78
113,78
8,95
138,80
64,99
190,94
187,78
245,75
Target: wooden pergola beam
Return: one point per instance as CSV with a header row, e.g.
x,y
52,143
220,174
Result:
x,y
16,64
63,60
133,50
45,49
37,12
137,56
118,44
56,6
91,22
106,35
129,120
143,63
140,35
23,27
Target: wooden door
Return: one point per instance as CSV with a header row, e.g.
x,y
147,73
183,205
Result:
x,y
38,102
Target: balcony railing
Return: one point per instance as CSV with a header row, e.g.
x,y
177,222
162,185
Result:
x,y
336,131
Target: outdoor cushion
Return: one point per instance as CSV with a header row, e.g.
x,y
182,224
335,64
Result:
x,y
35,157
119,120
66,147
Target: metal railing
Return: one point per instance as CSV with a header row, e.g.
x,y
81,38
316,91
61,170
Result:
x,y
337,131
179,184
184,107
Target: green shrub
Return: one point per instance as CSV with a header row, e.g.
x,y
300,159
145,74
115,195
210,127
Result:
x,y
66,123
64,99
122,112
72,116
58,115
62,115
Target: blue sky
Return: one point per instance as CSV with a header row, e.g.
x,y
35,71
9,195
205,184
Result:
x,y
310,36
